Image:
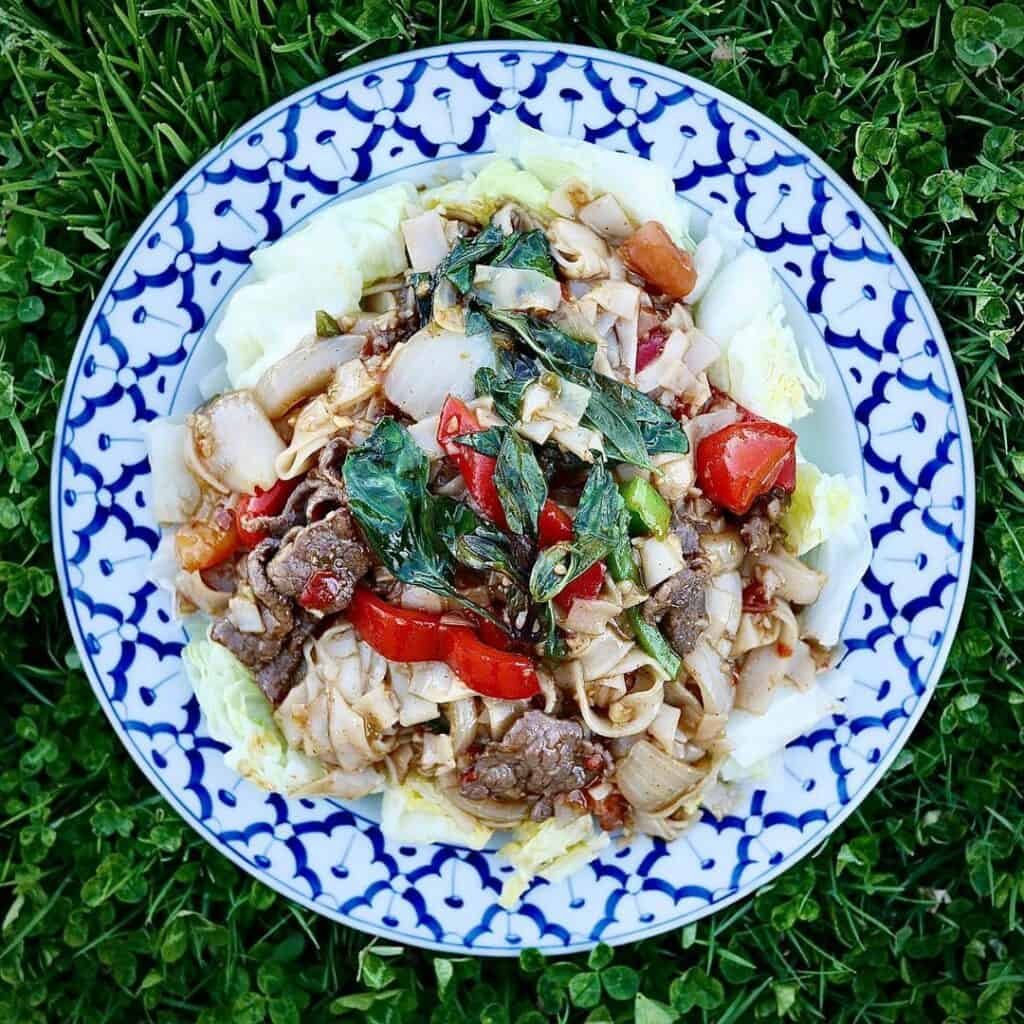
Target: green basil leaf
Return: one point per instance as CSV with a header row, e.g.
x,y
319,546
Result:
x,y
520,484
459,265
660,430
486,442
507,392
526,250
554,347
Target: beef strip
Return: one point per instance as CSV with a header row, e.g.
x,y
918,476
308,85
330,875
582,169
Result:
x,y
330,545
291,515
538,759
332,457
680,605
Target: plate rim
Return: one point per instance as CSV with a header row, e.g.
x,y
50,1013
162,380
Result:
x,y
811,846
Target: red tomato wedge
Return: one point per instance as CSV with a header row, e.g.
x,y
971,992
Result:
x,y
787,474
202,545
477,469
651,253
740,462
404,634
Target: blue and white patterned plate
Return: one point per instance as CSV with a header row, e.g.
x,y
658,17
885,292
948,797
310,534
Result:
x,y
895,417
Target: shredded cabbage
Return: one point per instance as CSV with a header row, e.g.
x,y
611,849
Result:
x,y
756,739
645,189
415,812
323,266
238,714
553,849
823,506
478,197
760,364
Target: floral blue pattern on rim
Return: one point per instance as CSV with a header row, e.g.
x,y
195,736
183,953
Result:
x,y
399,117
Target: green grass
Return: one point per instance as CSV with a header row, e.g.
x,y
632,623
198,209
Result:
x,y
913,911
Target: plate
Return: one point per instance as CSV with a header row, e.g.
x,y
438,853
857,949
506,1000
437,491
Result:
x,y
895,417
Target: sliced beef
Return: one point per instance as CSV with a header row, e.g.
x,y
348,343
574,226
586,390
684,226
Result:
x,y
293,513
330,545
275,609
538,759
679,603
332,457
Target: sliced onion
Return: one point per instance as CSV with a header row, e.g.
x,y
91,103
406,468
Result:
x,y
499,813
660,559
304,372
192,586
425,241
175,491
580,252
433,364
702,352
724,552
708,423
236,443
800,583
605,216
651,780
501,714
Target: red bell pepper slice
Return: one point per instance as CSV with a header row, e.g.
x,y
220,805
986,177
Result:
x,y
477,469
740,462
404,634
262,503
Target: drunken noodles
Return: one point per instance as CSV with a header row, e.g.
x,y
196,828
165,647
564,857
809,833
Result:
x,y
504,514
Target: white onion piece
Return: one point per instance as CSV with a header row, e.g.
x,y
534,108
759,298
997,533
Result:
x,y
175,491
605,216
660,559
580,252
651,780
304,372
192,586
462,723
501,714
723,551
236,442
517,288
708,423
424,433
433,364
800,583
669,369
425,240
701,353
245,614
618,297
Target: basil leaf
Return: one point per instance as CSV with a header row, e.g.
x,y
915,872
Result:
x,y
554,347
488,549
660,430
507,392
477,323
326,325
623,439
554,644
520,484
414,533
459,266
526,250
423,292
601,525
486,442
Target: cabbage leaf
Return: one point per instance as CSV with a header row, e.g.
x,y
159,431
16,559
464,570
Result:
x,y
478,197
415,812
323,266
553,849
238,714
